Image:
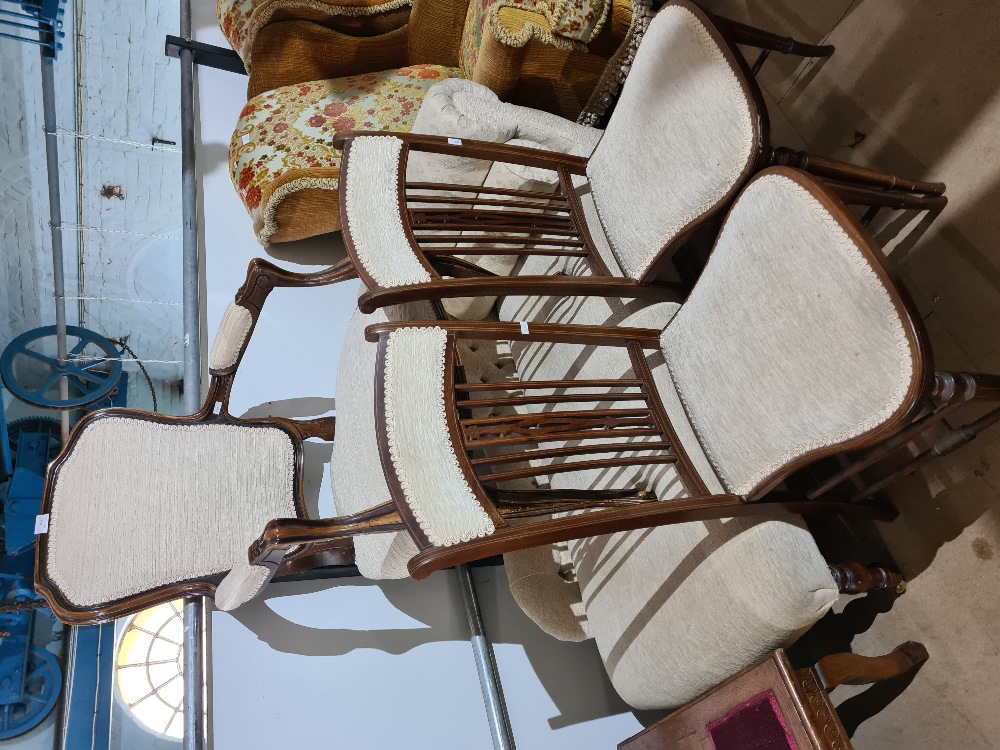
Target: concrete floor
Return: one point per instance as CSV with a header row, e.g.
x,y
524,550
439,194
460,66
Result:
x,y
914,88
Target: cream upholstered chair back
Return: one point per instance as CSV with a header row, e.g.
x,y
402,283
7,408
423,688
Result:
x,y
144,508
795,341
684,135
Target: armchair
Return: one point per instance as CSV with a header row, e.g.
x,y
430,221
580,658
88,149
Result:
x,y
689,130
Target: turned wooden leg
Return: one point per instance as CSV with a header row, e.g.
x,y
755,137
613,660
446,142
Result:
x,y
854,669
823,166
854,578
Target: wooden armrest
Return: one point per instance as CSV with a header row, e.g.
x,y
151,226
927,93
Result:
x,y
282,533
551,332
499,286
323,428
471,149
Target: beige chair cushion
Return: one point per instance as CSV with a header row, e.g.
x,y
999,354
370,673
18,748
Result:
x,y
420,446
138,505
789,341
674,609
233,331
677,609
356,469
681,136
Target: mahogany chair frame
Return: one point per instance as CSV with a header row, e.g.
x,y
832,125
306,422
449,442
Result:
x,y
635,412
553,224
262,277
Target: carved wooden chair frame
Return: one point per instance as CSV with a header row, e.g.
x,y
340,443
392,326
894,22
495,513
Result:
x,y
625,508
262,277
554,225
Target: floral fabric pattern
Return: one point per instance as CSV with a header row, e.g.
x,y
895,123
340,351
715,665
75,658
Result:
x,y
234,20
575,20
581,20
472,34
292,128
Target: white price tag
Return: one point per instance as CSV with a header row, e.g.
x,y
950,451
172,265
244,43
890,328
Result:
x,y
246,139
455,141
524,328
42,524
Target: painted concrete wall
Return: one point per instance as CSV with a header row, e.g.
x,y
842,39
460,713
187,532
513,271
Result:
x,y
356,663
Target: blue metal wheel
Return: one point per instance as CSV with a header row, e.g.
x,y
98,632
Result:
x,y
42,686
31,370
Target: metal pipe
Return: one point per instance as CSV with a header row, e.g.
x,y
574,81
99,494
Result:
x,y
55,223
486,665
79,69
195,727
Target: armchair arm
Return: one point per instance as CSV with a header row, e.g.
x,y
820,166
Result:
x,y
550,332
497,286
280,538
241,316
290,52
470,149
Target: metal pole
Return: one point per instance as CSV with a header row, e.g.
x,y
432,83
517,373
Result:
x,y
486,665
55,225
195,726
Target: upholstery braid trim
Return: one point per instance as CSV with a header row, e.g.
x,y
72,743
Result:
x,y
529,31
458,516
270,227
851,252
618,66
262,16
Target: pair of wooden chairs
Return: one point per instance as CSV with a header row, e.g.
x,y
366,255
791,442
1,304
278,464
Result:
x,y
827,356
795,344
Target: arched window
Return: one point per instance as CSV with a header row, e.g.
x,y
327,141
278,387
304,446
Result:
x,y
150,669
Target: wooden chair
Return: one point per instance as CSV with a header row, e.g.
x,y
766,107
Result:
x,y
775,706
144,508
820,277
689,129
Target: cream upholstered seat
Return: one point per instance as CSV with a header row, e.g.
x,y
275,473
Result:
x,y
142,506
686,133
794,343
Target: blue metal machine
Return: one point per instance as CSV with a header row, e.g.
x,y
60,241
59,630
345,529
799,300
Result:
x,y
30,676
37,22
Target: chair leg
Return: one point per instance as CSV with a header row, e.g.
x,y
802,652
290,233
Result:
x,y
742,33
854,669
856,195
854,578
823,166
